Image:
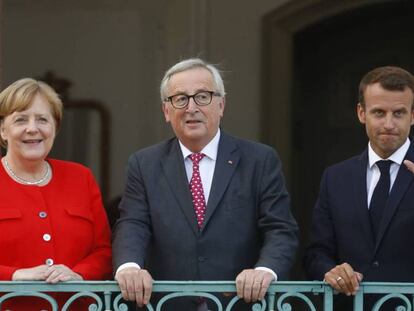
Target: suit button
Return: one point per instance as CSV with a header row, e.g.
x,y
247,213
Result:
x,y
49,261
42,214
375,264
47,237
201,258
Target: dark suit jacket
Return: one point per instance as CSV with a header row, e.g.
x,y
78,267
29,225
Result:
x,y
341,230
247,224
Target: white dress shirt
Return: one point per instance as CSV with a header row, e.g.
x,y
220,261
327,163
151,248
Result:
x,y
373,172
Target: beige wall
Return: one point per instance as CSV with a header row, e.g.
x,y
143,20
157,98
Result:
x,y
116,52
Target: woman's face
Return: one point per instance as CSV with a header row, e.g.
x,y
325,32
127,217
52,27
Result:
x,y
30,133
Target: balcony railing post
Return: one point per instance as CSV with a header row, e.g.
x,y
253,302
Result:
x,y
327,298
107,298
359,300
270,298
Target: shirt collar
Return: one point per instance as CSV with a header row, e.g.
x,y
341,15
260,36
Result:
x,y
397,157
210,150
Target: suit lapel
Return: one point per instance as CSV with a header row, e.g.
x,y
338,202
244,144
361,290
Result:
x,y
360,188
401,183
174,170
226,164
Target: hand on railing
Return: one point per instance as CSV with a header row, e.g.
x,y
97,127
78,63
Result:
x,y
252,284
135,285
51,274
344,279
61,273
38,273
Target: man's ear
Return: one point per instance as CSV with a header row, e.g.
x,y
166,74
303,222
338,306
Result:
x,y
165,110
412,116
361,113
222,105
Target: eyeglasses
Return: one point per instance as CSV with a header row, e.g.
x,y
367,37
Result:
x,y
203,98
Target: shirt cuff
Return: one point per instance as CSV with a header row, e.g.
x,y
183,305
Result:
x,y
263,269
135,265
127,265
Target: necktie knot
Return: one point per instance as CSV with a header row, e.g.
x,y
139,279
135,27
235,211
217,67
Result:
x,y
384,166
197,157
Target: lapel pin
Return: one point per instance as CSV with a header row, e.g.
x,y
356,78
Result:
x,y
230,162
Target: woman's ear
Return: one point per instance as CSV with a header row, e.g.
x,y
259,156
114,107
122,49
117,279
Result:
x,y
3,131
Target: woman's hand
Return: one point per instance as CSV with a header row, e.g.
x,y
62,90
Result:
x,y
38,273
61,273
50,274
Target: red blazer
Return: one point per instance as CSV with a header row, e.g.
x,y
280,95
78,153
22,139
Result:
x,y
63,222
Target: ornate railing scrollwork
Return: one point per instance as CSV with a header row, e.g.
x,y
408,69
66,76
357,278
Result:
x,y
46,297
281,296
384,299
286,306
119,305
92,307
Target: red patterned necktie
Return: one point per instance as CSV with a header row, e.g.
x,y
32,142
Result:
x,y
196,188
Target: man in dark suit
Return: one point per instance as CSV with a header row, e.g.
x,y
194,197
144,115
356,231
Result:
x,y
363,220
204,205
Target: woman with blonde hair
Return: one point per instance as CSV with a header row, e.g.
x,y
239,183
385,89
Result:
x,y
54,227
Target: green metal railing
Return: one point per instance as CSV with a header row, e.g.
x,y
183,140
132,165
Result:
x,y
281,296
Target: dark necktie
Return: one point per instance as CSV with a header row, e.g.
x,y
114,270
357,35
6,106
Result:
x,y
380,195
196,188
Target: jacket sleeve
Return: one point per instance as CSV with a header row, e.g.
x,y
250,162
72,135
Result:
x,y
133,229
97,265
320,254
275,221
6,272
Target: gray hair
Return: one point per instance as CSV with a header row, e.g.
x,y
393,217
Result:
x,y
188,64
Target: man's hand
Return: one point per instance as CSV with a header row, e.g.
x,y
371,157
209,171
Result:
x,y
252,284
135,285
409,165
344,279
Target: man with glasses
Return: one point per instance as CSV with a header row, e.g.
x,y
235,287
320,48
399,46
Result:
x,y
203,205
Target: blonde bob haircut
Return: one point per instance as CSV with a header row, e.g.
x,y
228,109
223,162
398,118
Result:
x,y
19,95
